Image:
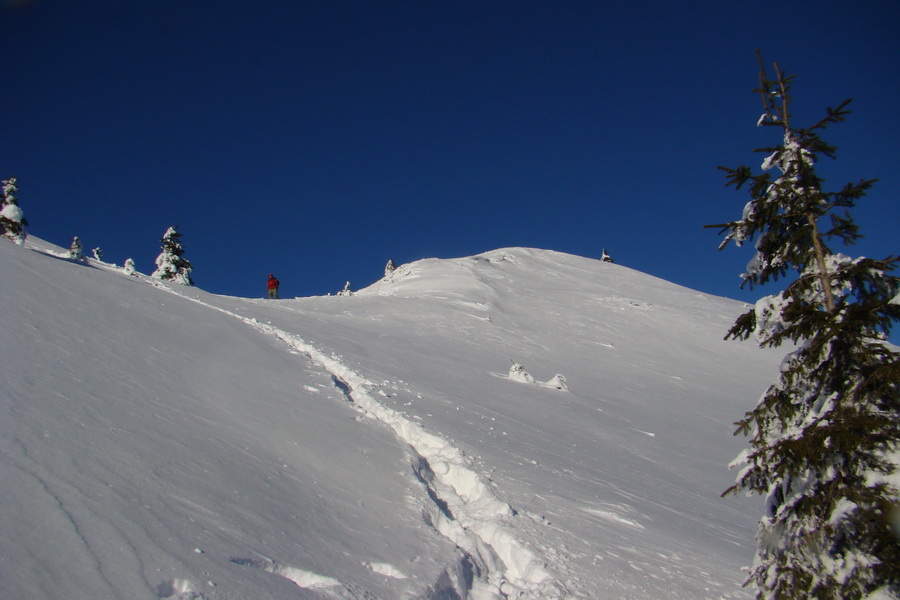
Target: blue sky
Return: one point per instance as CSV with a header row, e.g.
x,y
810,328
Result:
x,y
316,140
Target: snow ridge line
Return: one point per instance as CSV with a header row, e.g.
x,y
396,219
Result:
x,y
477,518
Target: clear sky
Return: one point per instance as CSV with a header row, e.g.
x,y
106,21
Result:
x,y
317,139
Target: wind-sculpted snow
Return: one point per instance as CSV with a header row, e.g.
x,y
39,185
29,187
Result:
x,y
520,424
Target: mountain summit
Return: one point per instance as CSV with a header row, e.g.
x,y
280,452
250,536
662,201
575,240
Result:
x,y
517,424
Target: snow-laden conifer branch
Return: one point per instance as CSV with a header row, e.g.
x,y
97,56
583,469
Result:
x,y
12,219
829,426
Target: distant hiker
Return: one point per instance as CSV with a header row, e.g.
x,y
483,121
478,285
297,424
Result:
x,y
272,286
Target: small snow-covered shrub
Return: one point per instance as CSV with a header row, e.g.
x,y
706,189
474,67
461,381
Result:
x,y
12,219
171,264
518,373
76,252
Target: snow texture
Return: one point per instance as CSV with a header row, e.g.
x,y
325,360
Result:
x,y
159,441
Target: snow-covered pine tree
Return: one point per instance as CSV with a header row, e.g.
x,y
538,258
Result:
x,y
98,253
171,264
129,267
606,257
346,291
76,251
825,437
389,268
12,220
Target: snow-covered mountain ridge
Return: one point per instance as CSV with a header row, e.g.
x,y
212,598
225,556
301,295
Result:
x,y
161,441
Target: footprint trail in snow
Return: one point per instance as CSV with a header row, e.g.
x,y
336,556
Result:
x,y
463,509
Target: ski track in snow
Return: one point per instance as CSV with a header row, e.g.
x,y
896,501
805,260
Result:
x,y
463,509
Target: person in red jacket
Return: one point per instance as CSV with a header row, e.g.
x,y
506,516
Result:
x,y
272,286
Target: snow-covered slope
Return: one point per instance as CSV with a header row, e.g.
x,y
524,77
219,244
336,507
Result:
x,y
163,442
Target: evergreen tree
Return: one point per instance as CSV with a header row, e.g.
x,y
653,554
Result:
x,y
12,220
389,268
129,267
825,437
98,253
171,264
76,251
606,257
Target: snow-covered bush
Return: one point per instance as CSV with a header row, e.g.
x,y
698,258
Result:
x,y
557,381
346,291
825,437
518,373
606,257
171,264
12,219
129,267
97,253
76,252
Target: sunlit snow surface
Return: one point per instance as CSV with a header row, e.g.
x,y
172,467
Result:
x,y
158,441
